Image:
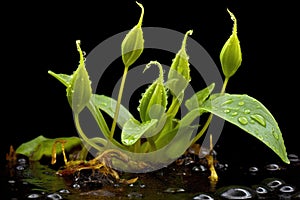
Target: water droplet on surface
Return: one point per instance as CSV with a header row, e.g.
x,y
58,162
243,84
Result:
x,y
33,196
236,192
260,119
272,167
273,183
203,197
247,111
253,169
243,120
275,134
261,190
229,101
293,158
76,186
287,189
64,191
134,195
241,103
54,196
174,190
226,111
234,113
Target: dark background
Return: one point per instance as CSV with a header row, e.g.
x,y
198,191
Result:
x,y
41,36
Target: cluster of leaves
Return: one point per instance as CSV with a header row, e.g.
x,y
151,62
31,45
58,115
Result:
x,y
157,125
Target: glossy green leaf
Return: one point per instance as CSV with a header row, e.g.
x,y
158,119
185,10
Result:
x,y
198,99
41,146
108,105
133,130
63,78
251,116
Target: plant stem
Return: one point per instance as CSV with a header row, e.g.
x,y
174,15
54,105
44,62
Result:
x,y
206,125
114,123
82,134
224,85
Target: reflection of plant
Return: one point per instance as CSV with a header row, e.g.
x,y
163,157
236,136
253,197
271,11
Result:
x,y
157,125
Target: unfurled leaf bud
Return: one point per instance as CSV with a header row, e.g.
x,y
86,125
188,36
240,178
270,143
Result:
x,y
133,43
231,54
154,101
79,90
179,74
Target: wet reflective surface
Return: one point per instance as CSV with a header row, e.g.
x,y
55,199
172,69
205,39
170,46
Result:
x,y
27,180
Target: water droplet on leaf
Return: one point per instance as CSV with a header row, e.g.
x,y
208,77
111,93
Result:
x,y
243,120
260,119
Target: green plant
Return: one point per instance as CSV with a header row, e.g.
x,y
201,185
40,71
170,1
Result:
x,y
157,124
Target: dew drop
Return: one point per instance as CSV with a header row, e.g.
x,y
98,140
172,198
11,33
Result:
x,y
174,190
241,103
236,192
247,111
234,113
260,119
275,134
261,190
293,158
203,197
243,120
229,101
33,196
272,167
253,169
54,196
287,189
226,111
134,195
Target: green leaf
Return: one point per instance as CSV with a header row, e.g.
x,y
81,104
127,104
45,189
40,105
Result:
x,y
108,105
154,101
198,99
63,78
179,73
36,148
251,116
134,130
79,91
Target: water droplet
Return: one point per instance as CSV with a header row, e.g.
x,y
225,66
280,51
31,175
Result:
x,y
174,190
272,167
54,196
287,189
33,196
247,111
229,101
226,111
241,103
134,195
234,113
293,158
261,190
237,192
253,169
273,183
243,120
275,134
260,119
203,197
64,191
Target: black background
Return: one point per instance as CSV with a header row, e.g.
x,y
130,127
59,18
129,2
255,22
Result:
x,y
41,36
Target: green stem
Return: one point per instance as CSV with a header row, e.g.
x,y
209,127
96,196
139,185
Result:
x,y
224,85
114,123
206,125
82,134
